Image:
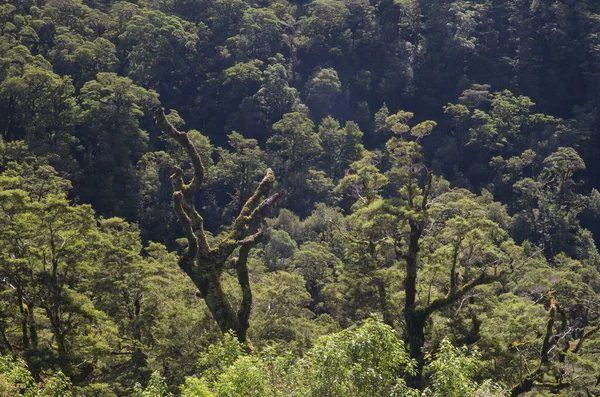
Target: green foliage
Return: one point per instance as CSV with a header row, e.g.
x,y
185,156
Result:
x,y
15,379
363,181
156,388
496,102
280,248
116,105
452,372
56,386
219,357
244,378
281,316
365,361
295,141
323,88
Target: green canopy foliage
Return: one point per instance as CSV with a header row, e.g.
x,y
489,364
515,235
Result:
x,y
432,230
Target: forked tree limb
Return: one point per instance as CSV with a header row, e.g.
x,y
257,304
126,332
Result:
x,y
454,296
205,264
551,339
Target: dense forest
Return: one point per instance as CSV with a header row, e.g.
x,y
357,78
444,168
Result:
x,y
328,198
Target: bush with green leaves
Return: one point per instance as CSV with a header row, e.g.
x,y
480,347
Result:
x,y
16,380
362,361
368,360
157,387
452,371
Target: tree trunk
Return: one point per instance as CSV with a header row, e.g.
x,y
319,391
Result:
x,y
415,338
24,330
33,337
209,284
415,318
24,311
382,291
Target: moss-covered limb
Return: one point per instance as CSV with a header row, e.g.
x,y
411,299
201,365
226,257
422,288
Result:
x,y
440,303
257,216
412,254
554,387
241,268
549,339
183,139
249,219
415,339
416,317
177,180
251,224
187,260
249,213
24,311
187,191
383,301
8,346
453,277
528,383
244,226
586,335
263,188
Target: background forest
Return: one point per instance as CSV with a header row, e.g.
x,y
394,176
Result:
x,y
433,226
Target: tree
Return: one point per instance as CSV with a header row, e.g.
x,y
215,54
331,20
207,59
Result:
x,y
363,182
295,141
156,51
39,107
47,258
498,254
81,59
204,263
453,371
550,206
240,169
274,98
369,360
397,229
341,146
322,90
16,379
319,267
557,330
123,287
282,318
279,250
325,29
259,37
112,141
154,210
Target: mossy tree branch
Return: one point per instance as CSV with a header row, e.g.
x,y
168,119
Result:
x,y
553,335
205,264
457,294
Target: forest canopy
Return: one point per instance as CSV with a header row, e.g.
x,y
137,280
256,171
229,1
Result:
x,y
307,198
